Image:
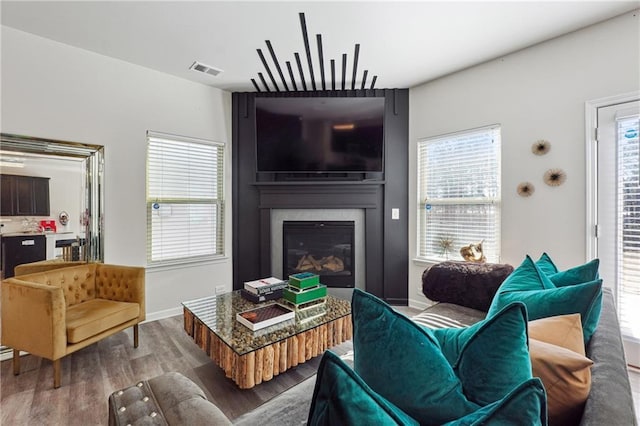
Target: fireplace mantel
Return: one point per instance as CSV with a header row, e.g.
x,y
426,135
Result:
x,y
316,195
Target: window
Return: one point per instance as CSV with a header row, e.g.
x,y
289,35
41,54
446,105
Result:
x,y
459,194
185,203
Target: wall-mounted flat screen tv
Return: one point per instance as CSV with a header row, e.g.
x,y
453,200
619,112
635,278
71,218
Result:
x,y
319,135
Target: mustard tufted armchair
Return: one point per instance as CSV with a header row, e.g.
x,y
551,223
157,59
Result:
x,y
56,312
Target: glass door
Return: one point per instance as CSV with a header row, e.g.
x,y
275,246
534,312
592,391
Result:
x,y
618,214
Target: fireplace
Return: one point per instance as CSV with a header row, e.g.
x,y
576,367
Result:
x,y
325,248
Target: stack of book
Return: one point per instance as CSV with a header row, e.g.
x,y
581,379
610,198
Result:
x,y
263,289
304,290
264,316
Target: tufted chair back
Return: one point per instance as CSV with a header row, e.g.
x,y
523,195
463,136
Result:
x,y
77,282
94,280
116,282
45,265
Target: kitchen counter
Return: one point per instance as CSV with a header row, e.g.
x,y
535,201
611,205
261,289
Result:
x,y
26,234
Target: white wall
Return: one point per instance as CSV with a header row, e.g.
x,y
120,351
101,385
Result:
x,y
537,93
56,91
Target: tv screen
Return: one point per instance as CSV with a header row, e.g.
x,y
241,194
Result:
x,y
319,134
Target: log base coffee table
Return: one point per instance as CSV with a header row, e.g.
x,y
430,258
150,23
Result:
x,y
252,357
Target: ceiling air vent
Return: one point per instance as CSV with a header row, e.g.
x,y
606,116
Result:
x,y
197,66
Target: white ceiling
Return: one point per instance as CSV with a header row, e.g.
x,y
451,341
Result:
x,y
403,43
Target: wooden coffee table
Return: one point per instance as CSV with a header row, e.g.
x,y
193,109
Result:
x,y
252,357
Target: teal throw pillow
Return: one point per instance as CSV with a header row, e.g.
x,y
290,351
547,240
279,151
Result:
x,y
490,357
529,285
403,363
524,405
576,275
341,397
546,265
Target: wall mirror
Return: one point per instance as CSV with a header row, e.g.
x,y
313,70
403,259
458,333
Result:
x,y
86,160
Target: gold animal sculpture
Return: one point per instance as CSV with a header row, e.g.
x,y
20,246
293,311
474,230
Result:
x,y
473,253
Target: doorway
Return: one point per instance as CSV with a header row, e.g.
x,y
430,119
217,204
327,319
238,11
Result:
x,y
615,238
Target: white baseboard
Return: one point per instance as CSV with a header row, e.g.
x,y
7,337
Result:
x,y
158,315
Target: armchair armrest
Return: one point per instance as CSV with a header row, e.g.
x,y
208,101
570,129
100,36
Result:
x,y
122,284
34,318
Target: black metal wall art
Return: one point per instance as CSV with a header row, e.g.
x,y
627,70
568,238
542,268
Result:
x,y
291,85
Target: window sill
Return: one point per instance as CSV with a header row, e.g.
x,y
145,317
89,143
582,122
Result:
x,y
427,261
187,264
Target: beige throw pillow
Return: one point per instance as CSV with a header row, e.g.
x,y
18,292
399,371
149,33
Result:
x,y
556,347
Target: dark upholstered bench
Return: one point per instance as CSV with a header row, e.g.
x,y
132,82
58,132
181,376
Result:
x,y
468,284
169,399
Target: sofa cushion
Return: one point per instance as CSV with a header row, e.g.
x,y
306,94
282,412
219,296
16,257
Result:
x,y
558,359
524,405
566,378
290,408
528,284
342,397
135,405
170,398
403,363
490,357
560,330
448,315
576,275
183,402
94,316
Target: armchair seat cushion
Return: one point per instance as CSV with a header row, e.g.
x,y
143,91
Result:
x,y
94,316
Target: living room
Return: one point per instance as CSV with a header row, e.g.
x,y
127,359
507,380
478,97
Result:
x,y
57,91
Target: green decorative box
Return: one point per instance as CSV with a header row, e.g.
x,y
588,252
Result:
x,y
295,296
304,280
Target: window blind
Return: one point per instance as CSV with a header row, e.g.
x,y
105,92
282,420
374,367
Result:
x,y
185,204
628,241
459,193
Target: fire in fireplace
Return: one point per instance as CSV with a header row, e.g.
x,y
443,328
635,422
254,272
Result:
x,y
324,248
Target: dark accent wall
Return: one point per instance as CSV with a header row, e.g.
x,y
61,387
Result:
x,y
386,240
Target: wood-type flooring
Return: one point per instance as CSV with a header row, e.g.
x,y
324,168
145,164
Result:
x,y
90,375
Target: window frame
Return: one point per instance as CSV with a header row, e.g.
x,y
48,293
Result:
x,y
496,201
218,202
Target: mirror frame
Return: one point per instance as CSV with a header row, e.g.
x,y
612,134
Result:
x,y
93,220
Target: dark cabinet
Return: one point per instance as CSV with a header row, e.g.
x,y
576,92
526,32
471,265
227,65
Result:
x,y
21,249
41,206
6,195
24,196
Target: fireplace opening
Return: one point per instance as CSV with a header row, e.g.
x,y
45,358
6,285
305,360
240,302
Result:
x,y
324,248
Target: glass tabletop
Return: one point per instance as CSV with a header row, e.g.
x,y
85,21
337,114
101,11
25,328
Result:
x,y
218,313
